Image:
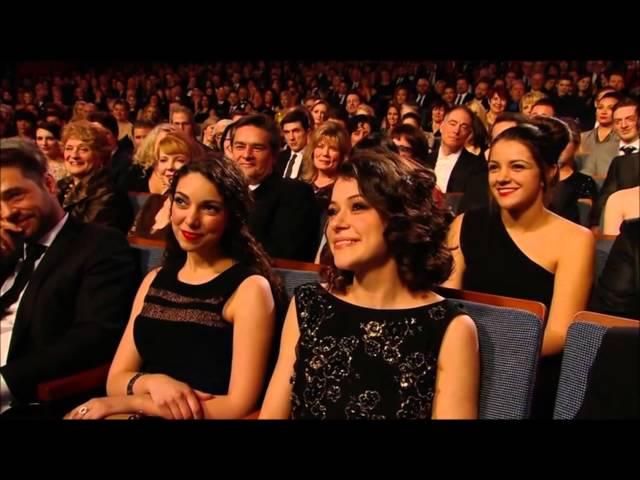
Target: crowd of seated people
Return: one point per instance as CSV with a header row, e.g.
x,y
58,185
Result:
x,y
348,164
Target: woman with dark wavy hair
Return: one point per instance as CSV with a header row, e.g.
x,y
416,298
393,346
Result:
x,y
374,341
518,248
202,327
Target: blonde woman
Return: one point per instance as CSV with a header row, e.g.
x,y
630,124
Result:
x,y
141,178
88,192
328,146
208,129
319,112
528,100
172,151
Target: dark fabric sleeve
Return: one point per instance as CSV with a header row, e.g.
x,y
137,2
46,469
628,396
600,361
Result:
x,y
609,186
293,233
476,191
103,296
618,289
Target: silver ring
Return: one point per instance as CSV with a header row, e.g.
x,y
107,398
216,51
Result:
x,y
83,410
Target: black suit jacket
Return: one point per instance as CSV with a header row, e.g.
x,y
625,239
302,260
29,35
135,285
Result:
x,y
285,218
467,98
121,161
618,289
283,159
336,101
281,162
74,309
624,172
469,176
222,109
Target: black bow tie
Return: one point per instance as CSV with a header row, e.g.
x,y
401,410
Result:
x,y
628,150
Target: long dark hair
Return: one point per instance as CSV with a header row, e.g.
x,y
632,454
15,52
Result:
x,y
237,242
416,225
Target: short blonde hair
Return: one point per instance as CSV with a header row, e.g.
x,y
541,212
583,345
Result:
x,y
530,99
177,142
336,134
145,155
478,109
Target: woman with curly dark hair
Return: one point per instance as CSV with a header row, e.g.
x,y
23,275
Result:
x,y
203,326
375,341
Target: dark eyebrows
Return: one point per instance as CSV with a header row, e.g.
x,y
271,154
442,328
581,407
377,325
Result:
x,y
350,198
215,203
11,192
204,202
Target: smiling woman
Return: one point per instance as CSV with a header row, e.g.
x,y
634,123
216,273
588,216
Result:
x,y
48,141
515,247
375,342
89,193
202,329
173,149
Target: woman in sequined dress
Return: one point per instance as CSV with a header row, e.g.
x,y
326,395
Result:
x,y
374,341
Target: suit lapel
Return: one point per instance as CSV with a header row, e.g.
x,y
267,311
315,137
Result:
x,y
56,253
457,174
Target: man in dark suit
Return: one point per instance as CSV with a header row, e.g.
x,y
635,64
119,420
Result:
x,y
624,171
458,170
285,218
65,287
463,95
221,106
295,126
339,97
424,97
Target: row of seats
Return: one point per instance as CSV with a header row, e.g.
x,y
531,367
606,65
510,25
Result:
x,y
510,335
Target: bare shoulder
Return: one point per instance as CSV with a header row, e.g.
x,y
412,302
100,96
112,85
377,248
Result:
x,y
562,226
253,292
457,222
149,277
570,237
254,285
462,326
454,229
460,338
623,196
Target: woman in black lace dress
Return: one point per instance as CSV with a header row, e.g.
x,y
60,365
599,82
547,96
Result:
x,y
203,326
375,342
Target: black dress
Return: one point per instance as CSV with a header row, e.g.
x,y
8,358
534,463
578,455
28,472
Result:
x,y
180,331
567,192
495,264
361,363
